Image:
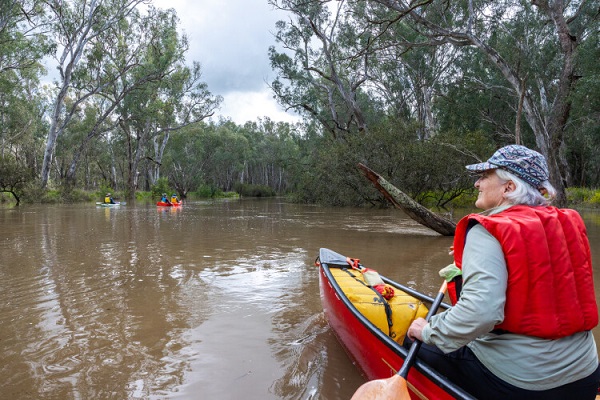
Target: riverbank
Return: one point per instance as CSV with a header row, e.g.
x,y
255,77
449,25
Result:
x,y
576,197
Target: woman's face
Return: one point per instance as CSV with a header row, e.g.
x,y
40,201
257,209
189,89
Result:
x,y
491,190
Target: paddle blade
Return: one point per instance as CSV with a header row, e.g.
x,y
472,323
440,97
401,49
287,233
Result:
x,y
393,388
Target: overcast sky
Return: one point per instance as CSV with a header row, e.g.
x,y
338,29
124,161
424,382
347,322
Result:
x,y
230,39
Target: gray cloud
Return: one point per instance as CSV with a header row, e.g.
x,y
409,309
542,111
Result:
x,y
230,39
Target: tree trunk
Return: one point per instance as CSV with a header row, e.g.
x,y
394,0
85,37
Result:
x,y
159,151
52,136
113,169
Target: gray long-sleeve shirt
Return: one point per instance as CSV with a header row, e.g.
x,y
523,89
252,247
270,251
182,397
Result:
x,y
524,361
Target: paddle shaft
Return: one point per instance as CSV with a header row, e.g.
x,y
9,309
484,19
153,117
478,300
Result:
x,y
414,348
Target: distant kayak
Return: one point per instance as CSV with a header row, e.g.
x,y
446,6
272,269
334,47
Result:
x,y
163,204
100,204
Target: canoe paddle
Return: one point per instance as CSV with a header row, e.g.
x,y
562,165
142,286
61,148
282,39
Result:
x,y
395,388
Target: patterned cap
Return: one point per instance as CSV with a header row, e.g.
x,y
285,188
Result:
x,y
526,164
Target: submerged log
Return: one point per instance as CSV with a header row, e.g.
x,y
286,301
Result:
x,y
413,209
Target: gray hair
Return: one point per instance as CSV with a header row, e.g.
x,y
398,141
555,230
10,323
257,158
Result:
x,y
526,194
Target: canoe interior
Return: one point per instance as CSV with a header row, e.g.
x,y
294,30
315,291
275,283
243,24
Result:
x,y
392,317
358,318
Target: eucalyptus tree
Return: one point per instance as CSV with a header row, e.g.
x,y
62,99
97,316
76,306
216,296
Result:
x,y
82,121
227,148
78,27
23,44
21,111
124,59
534,45
273,150
408,74
185,162
23,41
187,101
13,178
209,154
351,76
583,129
325,74
321,72
347,65
150,112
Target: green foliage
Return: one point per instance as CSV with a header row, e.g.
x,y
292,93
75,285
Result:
x,y
211,192
5,197
464,200
396,96
583,133
246,190
103,190
207,192
161,186
577,195
76,196
14,178
506,73
207,157
21,47
33,193
431,171
51,196
583,196
144,196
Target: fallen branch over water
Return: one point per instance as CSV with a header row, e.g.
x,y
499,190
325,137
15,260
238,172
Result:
x,y
413,209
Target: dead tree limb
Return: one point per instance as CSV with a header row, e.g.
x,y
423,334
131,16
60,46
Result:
x,y
413,209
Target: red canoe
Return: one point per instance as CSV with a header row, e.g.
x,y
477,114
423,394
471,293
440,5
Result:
x,y
371,332
163,204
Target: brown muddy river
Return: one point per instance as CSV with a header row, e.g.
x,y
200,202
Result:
x,y
215,300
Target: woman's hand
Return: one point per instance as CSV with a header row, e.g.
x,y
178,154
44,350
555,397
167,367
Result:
x,y
415,329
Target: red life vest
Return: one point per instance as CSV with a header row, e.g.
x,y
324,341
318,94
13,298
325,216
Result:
x,y
550,290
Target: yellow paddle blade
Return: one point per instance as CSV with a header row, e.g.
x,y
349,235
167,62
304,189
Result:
x,y
393,388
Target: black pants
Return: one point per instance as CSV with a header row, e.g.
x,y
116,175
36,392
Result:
x,y
464,369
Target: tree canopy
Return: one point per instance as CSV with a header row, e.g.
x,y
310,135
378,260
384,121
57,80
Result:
x,y
412,90
511,69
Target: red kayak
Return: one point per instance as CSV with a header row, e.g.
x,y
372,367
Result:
x,y
371,329
163,204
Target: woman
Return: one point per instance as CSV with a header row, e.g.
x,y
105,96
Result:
x,y
521,326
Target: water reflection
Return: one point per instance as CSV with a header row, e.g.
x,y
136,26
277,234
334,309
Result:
x,y
204,300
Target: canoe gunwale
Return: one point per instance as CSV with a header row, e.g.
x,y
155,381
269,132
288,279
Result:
x,y
428,372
